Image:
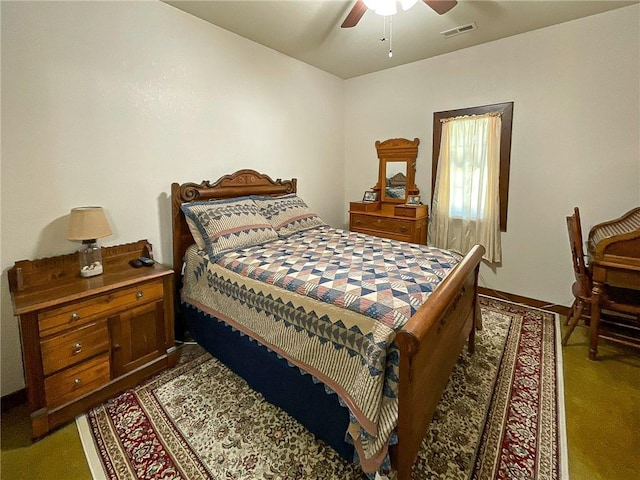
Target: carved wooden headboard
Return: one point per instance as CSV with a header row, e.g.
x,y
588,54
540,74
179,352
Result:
x,y
238,184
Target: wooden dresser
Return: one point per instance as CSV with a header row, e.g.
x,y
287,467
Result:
x,y
395,221
87,339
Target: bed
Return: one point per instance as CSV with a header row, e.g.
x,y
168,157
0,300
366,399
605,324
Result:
x,y
427,344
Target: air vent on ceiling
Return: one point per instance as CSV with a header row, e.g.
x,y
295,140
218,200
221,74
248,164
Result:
x,y
452,32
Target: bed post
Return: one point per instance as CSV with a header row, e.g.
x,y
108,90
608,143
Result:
x,y
178,225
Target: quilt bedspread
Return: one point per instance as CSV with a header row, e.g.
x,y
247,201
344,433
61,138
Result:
x,y
330,302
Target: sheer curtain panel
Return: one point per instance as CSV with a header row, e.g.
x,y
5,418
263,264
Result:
x,y
466,203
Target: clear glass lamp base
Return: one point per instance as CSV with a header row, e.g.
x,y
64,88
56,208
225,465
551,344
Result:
x,y
90,259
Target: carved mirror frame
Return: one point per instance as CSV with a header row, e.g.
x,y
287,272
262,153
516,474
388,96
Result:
x,y
391,152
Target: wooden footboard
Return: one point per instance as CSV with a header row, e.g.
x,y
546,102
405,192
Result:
x,y
429,345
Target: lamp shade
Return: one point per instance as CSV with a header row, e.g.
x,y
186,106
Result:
x,y
87,223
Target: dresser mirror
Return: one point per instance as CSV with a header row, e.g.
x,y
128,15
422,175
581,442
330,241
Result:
x,y
395,179
397,169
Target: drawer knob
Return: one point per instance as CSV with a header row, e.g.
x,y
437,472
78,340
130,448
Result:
x,y
358,222
75,316
77,348
403,229
77,382
139,294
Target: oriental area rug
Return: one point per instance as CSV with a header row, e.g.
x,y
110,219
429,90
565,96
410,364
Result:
x,y
500,417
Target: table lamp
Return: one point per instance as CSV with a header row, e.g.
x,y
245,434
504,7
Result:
x,y
88,224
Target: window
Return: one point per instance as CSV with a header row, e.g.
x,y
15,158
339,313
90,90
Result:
x,y
470,178
506,112
469,174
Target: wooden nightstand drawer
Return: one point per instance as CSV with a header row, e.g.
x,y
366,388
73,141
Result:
x,y
58,319
74,382
62,351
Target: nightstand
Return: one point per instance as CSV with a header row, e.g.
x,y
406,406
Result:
x,y
85,340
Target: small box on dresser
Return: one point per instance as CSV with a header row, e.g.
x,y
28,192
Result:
x,y
85,340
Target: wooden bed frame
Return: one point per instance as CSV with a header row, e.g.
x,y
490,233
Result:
x,y
429,343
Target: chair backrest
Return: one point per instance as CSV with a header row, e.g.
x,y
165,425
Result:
x,y
583,278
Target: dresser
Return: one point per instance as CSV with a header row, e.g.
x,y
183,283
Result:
x,y
85,340
407,223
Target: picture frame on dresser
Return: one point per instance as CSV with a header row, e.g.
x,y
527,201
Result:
x,y
370,196
413,200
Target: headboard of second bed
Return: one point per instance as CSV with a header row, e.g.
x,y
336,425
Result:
x,y
239,184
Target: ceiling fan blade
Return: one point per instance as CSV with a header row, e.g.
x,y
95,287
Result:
x,y
355,15
441,6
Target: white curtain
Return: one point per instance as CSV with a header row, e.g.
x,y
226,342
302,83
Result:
x,y
466,200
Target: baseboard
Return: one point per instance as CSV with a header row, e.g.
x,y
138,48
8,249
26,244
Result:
x,y
13,400
532,302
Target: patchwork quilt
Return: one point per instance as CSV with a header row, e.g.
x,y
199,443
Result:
x,y
329,301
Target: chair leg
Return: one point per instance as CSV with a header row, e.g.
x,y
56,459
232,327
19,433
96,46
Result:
x,y
572,310
572,321
596,295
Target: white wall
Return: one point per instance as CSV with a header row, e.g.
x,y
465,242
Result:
x,y
576,133
107,103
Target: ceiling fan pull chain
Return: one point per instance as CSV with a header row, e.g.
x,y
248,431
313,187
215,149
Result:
x,y
391,37
384,29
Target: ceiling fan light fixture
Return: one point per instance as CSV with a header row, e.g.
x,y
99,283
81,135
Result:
x,y
407,4
389,8
382,7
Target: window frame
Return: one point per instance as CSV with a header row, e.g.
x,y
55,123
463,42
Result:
x,y
506,111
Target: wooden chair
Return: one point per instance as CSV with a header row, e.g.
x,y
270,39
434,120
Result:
x,y
622,304
581,288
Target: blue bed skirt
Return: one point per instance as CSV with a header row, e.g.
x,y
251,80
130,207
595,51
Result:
x,y
280,384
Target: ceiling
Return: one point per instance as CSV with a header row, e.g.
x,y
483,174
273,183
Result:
x,y
309,30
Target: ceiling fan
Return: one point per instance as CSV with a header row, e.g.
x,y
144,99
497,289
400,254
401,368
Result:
x,y
439,6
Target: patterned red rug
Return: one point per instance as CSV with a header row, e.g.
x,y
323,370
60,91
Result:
x,y
500,417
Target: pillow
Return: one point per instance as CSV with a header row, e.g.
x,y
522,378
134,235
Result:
x,y
288,214
221,226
